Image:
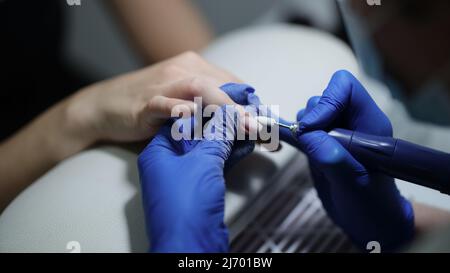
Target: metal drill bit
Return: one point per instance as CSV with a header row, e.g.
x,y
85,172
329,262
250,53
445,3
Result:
x,y
283,125
293,127
268,122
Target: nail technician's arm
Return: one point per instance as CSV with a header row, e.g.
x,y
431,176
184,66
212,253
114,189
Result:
x,y
163,28
428,218
366,204
131,107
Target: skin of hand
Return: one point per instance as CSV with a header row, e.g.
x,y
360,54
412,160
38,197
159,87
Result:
x,y
128,108
177,25
133,106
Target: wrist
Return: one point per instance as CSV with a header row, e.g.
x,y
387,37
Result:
x,y
80,118
188,233
71,129
193,239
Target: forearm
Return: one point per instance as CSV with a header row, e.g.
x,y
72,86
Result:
x,y
36,148
428,218
163,28
127,108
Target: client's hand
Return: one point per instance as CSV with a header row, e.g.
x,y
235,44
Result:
x,y
133,106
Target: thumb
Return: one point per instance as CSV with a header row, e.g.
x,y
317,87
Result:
x,y
312,102
161,146
335,162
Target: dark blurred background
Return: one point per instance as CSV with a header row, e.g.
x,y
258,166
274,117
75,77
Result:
x,y
96,44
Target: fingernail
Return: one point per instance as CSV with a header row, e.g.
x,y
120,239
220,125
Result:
x,y
240,110
195,108
300,129
253,125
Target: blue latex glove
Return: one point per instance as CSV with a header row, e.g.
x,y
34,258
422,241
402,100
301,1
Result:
x,y
240,94
183,186
366,205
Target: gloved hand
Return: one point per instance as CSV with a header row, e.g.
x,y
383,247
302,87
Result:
x,y
365,204
183,184
240,94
